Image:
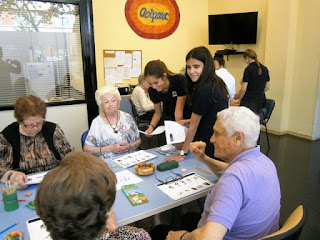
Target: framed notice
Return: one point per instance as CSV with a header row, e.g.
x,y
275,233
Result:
x,y
121,65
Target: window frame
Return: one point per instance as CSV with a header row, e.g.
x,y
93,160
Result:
x,y
88,58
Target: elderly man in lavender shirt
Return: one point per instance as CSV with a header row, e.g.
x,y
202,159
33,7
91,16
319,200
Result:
x,y
245,202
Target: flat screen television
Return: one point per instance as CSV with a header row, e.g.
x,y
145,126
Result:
x,y
234,28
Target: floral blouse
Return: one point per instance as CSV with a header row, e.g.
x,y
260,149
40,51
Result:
x,y
35,155
126,233
102,134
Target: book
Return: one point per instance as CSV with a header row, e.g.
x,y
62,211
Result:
x,y
134,194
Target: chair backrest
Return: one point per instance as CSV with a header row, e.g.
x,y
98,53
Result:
x,y
292,228
83,137
134,111
266,111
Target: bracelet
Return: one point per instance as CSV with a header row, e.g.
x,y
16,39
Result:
x,y
100,151
181,238
152,126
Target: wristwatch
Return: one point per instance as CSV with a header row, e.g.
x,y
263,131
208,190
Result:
x,y
182,153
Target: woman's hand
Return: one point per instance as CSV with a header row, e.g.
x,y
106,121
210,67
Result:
x,y
149,131
111,221
121,147
185,122
176,158
20,178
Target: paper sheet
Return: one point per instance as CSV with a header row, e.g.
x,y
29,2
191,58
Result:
x,y
175,133
185,186
125,178
134,158
37,230
35,178
157,131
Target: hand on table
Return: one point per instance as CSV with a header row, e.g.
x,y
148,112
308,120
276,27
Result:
x,y
175,235
121,147
176,158
20,178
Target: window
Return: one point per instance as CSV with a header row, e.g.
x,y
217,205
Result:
x,y
40,51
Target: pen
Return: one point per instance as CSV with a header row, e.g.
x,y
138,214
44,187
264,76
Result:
x,y
8,228
209,173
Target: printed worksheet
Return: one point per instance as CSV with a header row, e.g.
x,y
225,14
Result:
x,y
125,178
134,158
185,186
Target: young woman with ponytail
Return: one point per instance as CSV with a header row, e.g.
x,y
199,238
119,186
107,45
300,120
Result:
x,y
255,83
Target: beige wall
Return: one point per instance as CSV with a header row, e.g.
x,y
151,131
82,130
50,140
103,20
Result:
x,y
113,32
287,44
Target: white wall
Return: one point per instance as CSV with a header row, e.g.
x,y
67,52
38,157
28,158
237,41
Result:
x,y
72,119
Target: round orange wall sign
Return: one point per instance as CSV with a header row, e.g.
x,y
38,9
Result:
x,y
152,19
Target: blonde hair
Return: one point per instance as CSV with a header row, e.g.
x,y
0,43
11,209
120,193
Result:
x,y
253,55
104,91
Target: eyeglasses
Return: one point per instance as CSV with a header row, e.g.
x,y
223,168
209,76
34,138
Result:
x,y
32,125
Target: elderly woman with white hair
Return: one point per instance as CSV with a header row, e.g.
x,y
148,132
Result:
x,y
113,132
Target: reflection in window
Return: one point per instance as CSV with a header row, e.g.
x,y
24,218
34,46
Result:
x,y
40,51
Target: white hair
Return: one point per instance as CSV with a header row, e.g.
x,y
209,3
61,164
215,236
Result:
x,y
105,90
241,119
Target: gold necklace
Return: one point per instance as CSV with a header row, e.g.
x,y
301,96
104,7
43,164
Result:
x,y
114,128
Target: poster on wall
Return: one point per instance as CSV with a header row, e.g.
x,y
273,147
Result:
x,y
120,65
152,19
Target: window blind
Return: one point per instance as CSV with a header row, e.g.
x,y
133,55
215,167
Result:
x,y
40,51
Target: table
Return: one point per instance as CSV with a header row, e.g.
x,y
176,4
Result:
x,y
125,212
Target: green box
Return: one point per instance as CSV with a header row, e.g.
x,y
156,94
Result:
x,y
167,165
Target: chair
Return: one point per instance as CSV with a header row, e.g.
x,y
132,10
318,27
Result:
x,y
265,115
83,137
292,227
140,123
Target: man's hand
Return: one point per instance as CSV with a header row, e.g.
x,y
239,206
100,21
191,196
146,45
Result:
x,y
175,235
198,150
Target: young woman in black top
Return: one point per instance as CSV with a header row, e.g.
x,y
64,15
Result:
x,y
207,94
255,83
165,87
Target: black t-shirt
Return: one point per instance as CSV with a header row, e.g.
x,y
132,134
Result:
x,y
256,82
207,105
169,99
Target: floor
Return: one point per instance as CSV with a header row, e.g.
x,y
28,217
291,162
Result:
x,y
298,164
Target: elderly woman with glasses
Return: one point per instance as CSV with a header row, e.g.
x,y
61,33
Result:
x,y
31,144
113,132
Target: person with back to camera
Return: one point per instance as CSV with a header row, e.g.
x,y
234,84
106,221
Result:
x,y
207,94
141,100
31,144
113,132
77,204
168,88
223,73
255,83
245,202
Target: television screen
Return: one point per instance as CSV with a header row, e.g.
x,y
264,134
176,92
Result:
x,y
234,28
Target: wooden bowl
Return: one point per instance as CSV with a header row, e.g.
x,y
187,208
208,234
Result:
x,y
144,168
